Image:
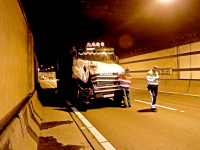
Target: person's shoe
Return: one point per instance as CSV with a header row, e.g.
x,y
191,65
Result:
x,y
129,106
154,109
125,106
87,103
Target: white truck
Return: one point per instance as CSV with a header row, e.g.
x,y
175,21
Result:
x,y
96,73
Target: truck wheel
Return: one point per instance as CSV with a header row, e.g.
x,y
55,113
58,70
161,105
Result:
x,y
82,101
86,100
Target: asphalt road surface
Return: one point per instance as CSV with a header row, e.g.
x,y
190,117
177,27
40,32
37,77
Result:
x,y
175,126
46,84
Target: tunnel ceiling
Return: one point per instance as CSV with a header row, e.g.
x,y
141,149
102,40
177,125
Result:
x,y
132,27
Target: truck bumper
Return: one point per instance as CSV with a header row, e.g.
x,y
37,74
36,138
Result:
x,y
107,95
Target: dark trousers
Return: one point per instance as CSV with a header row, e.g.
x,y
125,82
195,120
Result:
x,y
126,96
153,91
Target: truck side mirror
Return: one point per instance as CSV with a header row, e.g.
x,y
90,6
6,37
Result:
x,y
117,59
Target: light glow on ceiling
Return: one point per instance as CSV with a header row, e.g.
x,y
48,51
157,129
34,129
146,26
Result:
x,y
166,1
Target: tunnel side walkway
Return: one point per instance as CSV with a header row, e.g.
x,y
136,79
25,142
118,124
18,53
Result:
x,y
45,124
59,131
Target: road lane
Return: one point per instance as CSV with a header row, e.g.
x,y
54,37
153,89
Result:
x,y
156,105
139,128
46,84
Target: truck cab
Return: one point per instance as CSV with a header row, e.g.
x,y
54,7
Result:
x,y
96,74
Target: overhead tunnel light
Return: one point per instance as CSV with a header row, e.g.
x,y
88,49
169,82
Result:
x,y
166,1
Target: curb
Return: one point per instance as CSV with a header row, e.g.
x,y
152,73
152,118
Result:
x,y
95,139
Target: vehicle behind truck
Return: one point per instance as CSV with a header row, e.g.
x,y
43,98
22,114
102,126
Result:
x,y
96,74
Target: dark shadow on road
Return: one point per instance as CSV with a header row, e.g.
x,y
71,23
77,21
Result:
x,y
51,143
47,125
54,98
94,104
145,110
51,98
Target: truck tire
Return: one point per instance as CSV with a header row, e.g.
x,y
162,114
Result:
x,y
82,98
81,101
86,100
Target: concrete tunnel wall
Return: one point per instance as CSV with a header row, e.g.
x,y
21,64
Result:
x,y
24,131
16,56
179,68
17,75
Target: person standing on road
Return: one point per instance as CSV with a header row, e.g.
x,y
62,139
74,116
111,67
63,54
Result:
x,y
153,80
125,82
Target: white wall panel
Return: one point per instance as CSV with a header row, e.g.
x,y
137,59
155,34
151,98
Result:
x,y
187,61
195,61
146,65
184,62
185,74
161,53
139,75
195,74
184,48
195,46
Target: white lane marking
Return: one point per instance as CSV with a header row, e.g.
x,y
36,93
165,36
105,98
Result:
x,y
156,105
87,123
141,101
182,111
49,84
191,95
169,92
97,134
93,130
78,113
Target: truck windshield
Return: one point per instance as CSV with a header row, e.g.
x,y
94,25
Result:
x,y
104,56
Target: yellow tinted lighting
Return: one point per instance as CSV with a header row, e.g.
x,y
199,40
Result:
x,y
166,1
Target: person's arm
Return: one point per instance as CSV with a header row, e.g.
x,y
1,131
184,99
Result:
x,y
150,78
157,78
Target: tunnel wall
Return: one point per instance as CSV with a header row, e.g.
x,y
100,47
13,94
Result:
x,y
174,86
179,68
181,62
24,131
16,56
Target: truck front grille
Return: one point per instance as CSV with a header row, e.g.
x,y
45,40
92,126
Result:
x,y
104,83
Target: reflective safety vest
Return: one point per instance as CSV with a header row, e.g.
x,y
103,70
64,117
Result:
x,y
125,80
152,77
